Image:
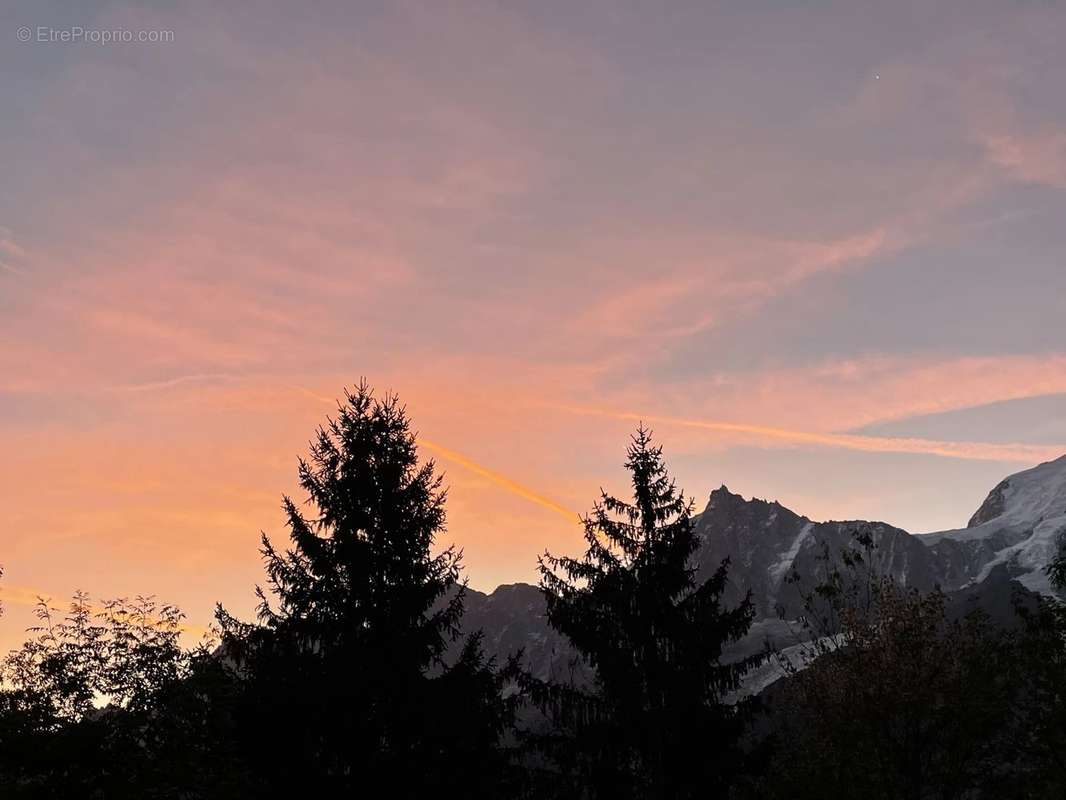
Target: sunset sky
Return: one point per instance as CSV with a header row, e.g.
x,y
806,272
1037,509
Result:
x,y
818,246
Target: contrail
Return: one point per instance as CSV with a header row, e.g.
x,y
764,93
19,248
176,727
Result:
x,y
500,480
329,401
467,463
173,382
983,451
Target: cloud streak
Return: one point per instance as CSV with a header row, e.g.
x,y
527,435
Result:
x,y
982,451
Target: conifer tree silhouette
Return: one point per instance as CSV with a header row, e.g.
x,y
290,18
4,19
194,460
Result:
x,y
347,673
654,724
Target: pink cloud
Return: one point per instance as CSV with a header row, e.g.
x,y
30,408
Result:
x,y
837,395
1031,158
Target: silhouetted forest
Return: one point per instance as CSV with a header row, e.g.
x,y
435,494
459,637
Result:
x,y
357,677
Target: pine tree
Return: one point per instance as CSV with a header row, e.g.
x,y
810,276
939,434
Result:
x,y
347,668
654,724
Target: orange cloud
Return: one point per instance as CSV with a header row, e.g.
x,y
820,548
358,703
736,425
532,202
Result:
x,y
842,394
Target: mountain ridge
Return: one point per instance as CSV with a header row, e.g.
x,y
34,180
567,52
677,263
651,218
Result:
x,y
1010,538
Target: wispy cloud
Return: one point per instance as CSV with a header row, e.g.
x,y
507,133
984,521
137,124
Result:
x,y
983,451
1038,157
839,394
9,245
11,251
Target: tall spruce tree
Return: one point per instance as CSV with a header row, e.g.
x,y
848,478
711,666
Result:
x,y
348,688
654,724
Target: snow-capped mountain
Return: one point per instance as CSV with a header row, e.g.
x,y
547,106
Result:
x,y
1019,525
1014,534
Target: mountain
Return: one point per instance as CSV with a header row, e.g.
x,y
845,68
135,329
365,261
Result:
x,y
1009,540
1019,525
513,617
766,541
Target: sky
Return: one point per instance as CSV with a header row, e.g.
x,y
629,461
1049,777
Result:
x,y
818,246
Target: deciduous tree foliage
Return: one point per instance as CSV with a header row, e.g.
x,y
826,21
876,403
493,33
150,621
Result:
x,y
891,695
103,702
654,723
1038,722
910,704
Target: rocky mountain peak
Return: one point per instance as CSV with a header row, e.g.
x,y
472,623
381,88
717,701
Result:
x,y
992,507
722,497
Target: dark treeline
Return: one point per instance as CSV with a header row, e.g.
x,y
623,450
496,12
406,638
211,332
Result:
x,y
358,679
